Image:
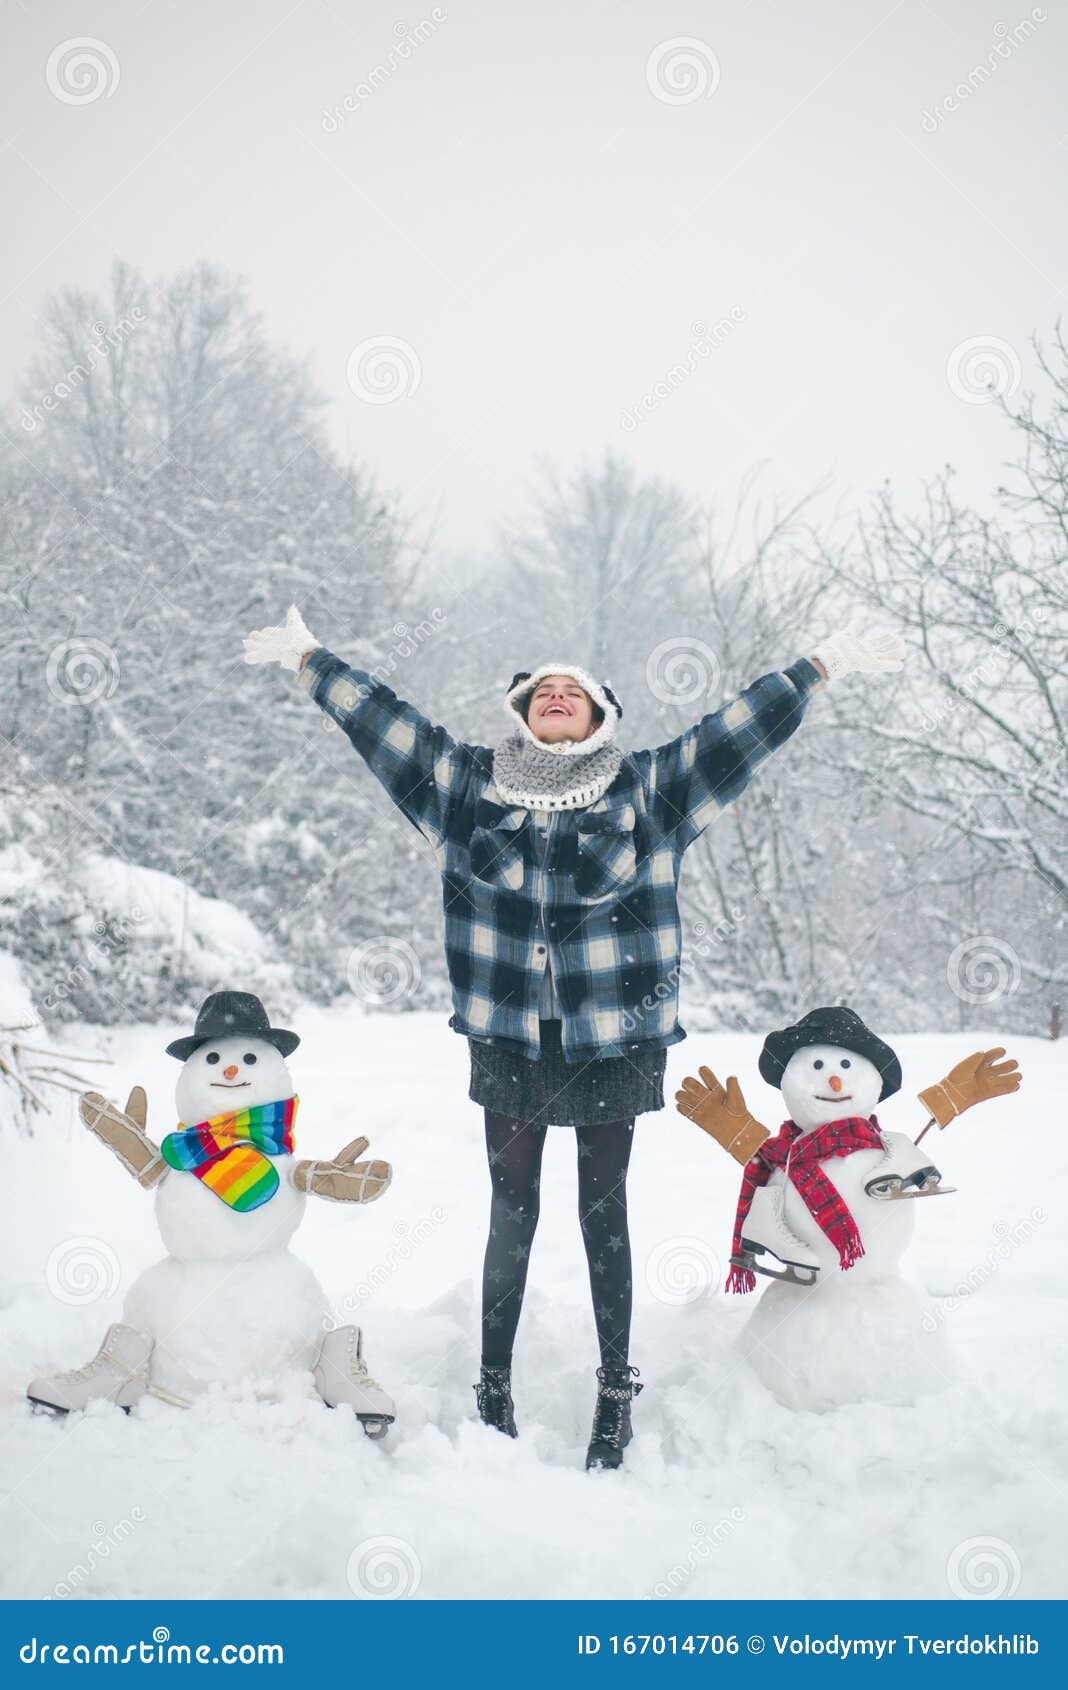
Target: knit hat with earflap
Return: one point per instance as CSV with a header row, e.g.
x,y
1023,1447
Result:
x,y
568,774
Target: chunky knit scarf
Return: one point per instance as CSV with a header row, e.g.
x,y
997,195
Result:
x,y
822,1199
230,1152
553,777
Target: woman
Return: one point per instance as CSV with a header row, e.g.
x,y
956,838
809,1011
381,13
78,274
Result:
x,y
560,860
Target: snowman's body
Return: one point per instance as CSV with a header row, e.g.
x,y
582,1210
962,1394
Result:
x,y
229,1301
859,1334
822,1084
886,1229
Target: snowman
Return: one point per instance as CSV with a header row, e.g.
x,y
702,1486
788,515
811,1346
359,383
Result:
x,y
229,1303
827,1210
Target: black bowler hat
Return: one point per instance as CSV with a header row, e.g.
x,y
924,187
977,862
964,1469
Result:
x,y
832,1026
225,1015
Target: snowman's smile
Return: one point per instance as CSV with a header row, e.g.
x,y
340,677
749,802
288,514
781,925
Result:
x,y
841,1097
230,1085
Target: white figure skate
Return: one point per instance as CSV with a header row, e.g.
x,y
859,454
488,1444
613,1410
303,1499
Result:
x,y
905,1172
118,1371
341,1376
766,1234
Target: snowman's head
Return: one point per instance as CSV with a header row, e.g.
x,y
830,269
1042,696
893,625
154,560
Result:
x,y
823,1083
222,1075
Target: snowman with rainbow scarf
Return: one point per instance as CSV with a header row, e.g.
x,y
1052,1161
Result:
x,y
229,1302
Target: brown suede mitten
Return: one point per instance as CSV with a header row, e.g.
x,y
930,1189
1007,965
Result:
x,y
722,1112
344,1180
979,1077
124,1133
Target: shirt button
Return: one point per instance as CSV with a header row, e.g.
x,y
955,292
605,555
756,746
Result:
x,y
541,950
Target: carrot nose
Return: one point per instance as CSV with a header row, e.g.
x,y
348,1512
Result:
x,y
835,1083
231,1072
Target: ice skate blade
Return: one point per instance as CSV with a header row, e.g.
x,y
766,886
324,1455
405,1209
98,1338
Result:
x,y
792,1273
55,1412
890,1189
375,1425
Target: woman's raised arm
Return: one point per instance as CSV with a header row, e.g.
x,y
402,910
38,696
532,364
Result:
x,y
692,778
420,765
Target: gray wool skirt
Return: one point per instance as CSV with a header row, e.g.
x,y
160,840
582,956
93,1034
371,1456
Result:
x,y
555,1093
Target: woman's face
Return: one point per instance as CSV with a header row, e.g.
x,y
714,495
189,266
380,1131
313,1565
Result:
x,y
560,709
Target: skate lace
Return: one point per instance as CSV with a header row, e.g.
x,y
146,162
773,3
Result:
x,y
359,1372
90,1367
103,1358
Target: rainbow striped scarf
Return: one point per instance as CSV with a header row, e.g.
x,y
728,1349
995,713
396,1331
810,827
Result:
x,y
229,1152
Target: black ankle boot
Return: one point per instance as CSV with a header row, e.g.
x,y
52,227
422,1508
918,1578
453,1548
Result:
x,y
493,1394
616,1387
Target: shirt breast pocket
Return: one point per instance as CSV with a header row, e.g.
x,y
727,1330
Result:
x,y
496,846
607,857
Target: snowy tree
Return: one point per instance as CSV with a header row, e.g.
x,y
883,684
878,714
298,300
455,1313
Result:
x,y
976,758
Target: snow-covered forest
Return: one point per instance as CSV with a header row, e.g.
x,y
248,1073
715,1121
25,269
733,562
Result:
x,y
167,815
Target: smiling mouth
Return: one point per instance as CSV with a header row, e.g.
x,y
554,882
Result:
x,y
229,1085
839,1097
555,710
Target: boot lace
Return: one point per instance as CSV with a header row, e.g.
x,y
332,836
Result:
x,y
493,1398
616,1387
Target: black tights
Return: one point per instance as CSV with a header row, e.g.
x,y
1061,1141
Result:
x,y
514,1149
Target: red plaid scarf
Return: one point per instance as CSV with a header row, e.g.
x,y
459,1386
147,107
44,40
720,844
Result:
x,y
822,1199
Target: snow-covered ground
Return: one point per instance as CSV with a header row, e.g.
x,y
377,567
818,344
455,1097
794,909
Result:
x,y
725,1492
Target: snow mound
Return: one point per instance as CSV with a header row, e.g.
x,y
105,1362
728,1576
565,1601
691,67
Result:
x,y
844,1340
727,1491
96,929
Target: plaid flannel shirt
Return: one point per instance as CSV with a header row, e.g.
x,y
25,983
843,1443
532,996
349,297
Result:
x,y
599,901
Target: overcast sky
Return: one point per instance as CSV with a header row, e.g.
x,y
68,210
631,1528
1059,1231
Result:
x,y
545,204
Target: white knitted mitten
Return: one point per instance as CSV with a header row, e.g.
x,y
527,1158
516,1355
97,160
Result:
x,y
850,650
285,644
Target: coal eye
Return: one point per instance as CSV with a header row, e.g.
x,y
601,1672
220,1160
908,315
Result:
x,y
845,1062
249,1057
818,1062
212,1056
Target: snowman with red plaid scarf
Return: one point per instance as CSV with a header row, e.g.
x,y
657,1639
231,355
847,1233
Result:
x,y
825,1210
